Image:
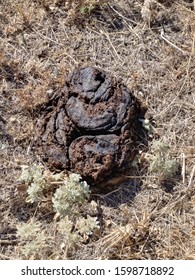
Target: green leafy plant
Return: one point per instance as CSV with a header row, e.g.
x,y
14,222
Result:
x,y
34,241
34,177
86,6
161,161
76,8
78,231
86,226
73,191
33,238
69,236
72,228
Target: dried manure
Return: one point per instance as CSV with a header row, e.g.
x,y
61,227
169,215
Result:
x,y
91,126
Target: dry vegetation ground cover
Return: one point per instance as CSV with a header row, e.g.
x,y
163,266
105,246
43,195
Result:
x,y
151,46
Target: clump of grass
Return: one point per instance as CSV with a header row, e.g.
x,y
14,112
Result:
x,y
161,161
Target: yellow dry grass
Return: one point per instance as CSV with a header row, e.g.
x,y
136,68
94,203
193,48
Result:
x,y
151,46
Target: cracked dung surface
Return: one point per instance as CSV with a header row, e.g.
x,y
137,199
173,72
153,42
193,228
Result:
x,y
91,126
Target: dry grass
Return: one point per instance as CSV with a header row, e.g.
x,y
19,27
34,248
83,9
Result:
x,y
151,46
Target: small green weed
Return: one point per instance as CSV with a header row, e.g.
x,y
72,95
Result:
x,y
70,227
73,191
161,161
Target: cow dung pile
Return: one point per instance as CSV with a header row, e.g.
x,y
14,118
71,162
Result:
x,y
91,126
